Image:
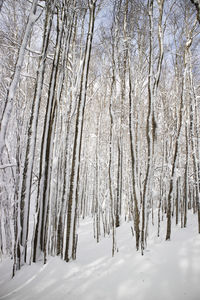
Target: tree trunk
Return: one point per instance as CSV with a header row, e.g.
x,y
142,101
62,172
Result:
x,y
72,213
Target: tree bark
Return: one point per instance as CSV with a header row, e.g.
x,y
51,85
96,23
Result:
x,y
72,213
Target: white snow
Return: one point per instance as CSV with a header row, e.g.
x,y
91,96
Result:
x,y
168,270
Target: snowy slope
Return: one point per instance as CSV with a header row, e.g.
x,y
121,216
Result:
x,y
167,271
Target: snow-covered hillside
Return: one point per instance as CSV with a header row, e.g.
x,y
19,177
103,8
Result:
x,y
168,270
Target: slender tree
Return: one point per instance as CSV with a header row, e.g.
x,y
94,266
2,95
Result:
x,y
72,213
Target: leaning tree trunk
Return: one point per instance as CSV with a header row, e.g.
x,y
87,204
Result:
x,y
71,219
64,161
41,228
27,172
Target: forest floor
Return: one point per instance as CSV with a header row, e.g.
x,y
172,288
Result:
x,y
167,271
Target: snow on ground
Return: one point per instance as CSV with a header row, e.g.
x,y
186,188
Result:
x,y
167,271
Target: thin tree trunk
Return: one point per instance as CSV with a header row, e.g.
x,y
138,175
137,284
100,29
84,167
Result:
x,y
186,194
41,233
72,213
25,188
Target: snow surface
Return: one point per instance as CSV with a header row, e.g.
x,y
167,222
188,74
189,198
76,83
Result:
x,y
168,270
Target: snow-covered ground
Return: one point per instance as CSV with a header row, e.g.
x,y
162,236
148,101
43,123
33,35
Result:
x,y
167,271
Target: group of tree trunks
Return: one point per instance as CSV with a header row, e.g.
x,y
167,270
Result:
x,y
101,121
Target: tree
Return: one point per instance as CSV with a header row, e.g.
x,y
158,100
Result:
x,y
72,213
24,193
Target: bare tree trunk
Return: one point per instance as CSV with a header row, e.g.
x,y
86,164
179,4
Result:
x,y
72,213
186,193
41,233
131,132
175,157
112,217
149,127
117,222
25,188
72,27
